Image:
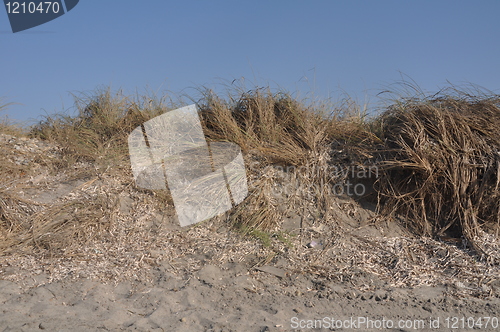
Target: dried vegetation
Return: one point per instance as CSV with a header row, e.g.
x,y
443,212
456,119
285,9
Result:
x,y
442,167
437,164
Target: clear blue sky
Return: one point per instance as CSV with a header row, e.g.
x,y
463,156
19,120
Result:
x,y
357,47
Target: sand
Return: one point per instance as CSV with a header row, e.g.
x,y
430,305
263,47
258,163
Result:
x,y
234,299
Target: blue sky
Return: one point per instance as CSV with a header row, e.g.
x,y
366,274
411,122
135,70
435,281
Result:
x,y
329,47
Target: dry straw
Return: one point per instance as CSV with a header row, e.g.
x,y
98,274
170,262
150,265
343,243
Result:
x,y
438,160
442,166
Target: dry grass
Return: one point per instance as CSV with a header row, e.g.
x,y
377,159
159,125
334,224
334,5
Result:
x,y
8,126
89,146
278,127
273,129
98,133
438,157
442,166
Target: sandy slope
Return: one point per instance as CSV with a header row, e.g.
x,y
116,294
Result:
x,y
146,274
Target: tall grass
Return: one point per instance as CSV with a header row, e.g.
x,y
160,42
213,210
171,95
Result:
x,y
278,126
439,156
269,127
99,130
442,165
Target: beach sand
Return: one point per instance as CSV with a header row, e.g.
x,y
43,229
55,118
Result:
x,y
234,299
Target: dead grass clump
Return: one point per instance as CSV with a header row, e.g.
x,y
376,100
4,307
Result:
x,y
442,166
92,142
58,227
14,216
273,130
279,127
98,133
